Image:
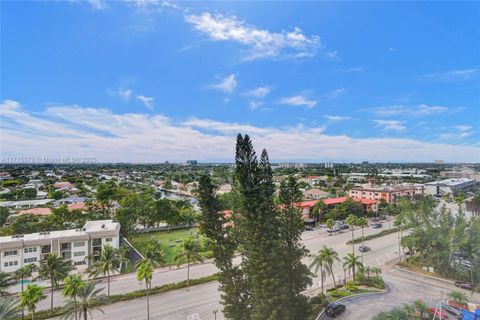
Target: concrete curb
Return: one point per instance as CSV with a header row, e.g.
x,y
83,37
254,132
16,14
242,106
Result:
x,y
424,275
387,290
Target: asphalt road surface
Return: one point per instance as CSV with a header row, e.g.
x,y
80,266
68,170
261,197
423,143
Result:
x,y
383,249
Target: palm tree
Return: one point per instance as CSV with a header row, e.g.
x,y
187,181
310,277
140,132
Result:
x,y
352,221
351,262
153,253
362,222
8,309
22,274
6,281
318,263
55,269
367,270
145,273
107,264
72,285
88,298
420,307
329,257
458,297
30,297
189,253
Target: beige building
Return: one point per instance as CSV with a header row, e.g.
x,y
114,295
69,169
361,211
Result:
x,y
19,250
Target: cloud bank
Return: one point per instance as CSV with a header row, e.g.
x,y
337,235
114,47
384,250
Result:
x,y
75,131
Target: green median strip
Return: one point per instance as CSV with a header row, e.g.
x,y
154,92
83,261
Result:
x,y
374,236
58,311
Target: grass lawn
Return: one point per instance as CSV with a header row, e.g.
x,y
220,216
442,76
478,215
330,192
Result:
x,y
170,241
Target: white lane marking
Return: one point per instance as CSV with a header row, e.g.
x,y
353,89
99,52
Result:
x,y
194,316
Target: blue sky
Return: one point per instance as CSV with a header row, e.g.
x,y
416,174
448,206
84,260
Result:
x,y
149,81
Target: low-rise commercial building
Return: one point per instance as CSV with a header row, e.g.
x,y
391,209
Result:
x,y
388,192
19,250
449,186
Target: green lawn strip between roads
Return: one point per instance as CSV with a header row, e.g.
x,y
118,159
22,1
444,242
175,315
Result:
x,y
168,238
58,311
373,236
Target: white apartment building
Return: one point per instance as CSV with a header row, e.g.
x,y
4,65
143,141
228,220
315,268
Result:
x,y
19,250
449,186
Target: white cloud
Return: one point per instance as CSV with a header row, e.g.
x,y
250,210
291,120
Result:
x,y
417,110
298,101
123,94
336,93
74,131
255,104
393,125
227,84
332,55
354,70
99,5
260,92
147,101
336,118
453,75
261,43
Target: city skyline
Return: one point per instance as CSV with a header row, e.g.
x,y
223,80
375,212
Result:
x,y
155,81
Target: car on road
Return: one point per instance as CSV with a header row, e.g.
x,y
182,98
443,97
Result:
x,y
364,248
333,230
344,226
464,285
376,225
334,309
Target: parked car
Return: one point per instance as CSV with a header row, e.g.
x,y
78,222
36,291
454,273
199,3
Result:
x,y
344,226
438,315
376,225
308,229
364,248
334,309
464,285
333,230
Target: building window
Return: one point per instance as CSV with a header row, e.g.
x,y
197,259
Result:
x,y
66,246
79,254
79,244
5,264
30,260
46,249
10,253
10,263
97,242
79,263
31,249
108,239
66,255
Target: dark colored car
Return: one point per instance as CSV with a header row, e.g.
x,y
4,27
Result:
x,y
464,285
376,225
334,309
364,249
344,226
308,229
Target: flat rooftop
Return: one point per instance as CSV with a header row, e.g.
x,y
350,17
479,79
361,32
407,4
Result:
x,y
450,182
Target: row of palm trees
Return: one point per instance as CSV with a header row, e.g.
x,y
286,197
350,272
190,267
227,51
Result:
x,y
323,261
83,295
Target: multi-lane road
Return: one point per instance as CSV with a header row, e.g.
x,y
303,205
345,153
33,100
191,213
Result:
x,y
383,250
199,301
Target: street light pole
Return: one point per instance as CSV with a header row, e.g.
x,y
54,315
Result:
x,y
215,310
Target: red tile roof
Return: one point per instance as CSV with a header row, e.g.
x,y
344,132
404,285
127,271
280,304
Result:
x,y
37,211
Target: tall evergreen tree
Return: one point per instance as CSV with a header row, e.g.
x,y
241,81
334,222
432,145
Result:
x,y
296,276
217,226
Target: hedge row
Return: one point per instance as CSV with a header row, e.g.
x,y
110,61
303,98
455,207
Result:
x,y
373,236
58,311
